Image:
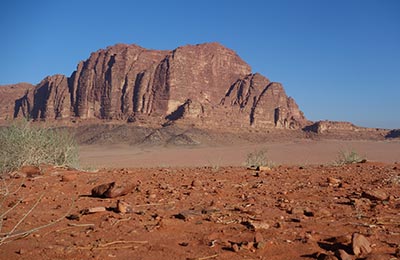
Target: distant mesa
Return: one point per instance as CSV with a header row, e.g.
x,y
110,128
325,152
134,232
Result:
x,y
395,133
206,85
329,126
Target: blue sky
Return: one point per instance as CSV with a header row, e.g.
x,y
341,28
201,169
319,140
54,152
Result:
x,y
339,59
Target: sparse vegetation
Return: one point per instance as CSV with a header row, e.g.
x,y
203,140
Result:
x,y
23,144
258,158
348,157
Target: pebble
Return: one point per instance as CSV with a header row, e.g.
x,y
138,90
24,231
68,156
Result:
x,y
296,210
260,245
196,183
333,181
20,251
93,210
264,168
258,237
123,207
259,225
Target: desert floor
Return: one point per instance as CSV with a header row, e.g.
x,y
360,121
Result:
x,y
307,212
303,208
301,152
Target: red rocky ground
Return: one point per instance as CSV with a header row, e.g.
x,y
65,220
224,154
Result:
x,y
204,213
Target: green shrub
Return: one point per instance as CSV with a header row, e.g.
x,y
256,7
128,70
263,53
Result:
x,y
23,144
348,157
257,158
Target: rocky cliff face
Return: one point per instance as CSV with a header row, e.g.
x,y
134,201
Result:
x,y
204,84
50,99
10,96
263,103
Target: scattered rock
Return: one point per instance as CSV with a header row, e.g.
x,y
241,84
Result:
x,y
334,181
344,240
259,242
295,220
111,190
123,207
258,237
397,253
263,168
20,251
360,244
73,217
260,225
235,247
184,244
343,255
247,245
92,210
256,225
296,210
375,195
260,245
362,203
186,215
308,212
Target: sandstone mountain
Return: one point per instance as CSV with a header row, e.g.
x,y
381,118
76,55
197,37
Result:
x,y
9,97
205,85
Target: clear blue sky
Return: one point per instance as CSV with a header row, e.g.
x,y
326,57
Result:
x,y
339,59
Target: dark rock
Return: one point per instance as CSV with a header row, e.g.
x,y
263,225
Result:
x,y
92,210
375,195
111,190
343,255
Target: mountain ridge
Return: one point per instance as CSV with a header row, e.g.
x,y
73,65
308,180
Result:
x,y
190,84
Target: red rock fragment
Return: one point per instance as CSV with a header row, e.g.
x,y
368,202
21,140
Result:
x,y
111,190
360,244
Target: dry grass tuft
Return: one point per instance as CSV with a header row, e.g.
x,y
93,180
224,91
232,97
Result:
x,y
23,144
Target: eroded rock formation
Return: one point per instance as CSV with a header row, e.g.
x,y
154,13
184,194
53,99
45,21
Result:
x,y
10,95
205,84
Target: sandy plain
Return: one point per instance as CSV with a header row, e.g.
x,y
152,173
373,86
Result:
x,y
297,152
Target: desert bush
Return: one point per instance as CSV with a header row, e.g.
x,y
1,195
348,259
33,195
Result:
x,y
348,157
257,158
23,144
